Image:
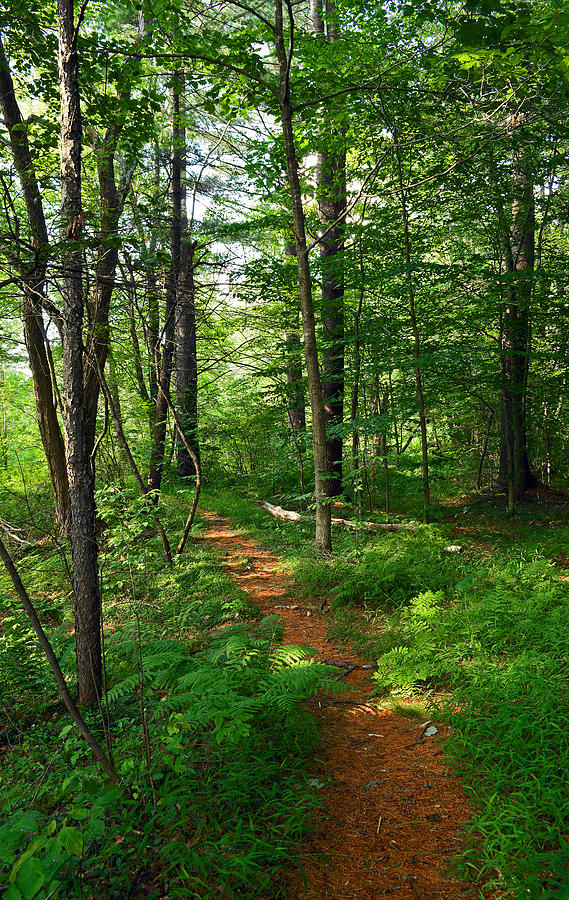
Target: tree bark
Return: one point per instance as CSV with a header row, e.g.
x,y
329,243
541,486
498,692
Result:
x,y
323,538
112,199
34,286
484,450
187,360
331,197
165,374
114,409
43,639
3,423
295,384
416,339
519,244
186,346
86,594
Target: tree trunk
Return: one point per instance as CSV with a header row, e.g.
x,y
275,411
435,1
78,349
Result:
x,y
484,451
331,196
98,306
356,387
416,340
86,595
165,375
46,410
34,281
112,381
186,349
187,360
296,402
295,384
135,345
323,539
153,315
516,334
3,423
53,663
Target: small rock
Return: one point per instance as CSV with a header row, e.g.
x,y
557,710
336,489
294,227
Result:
x,y
313,782
371,784
430,731
308,613
453,548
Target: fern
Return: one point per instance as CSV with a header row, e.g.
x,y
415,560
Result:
x,y
243,675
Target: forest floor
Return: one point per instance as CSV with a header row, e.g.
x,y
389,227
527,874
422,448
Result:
x,y
393,814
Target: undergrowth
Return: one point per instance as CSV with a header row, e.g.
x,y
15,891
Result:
x,y
202,717
486,638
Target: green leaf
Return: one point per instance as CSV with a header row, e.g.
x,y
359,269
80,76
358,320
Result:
x,y
465,583
71,839
96,828
30,877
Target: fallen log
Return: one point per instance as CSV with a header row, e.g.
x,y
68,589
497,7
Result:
x,y
13,533
288,515
376,526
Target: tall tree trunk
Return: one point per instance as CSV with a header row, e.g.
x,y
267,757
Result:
x,y
3,423
416,338
112,381
356,387
186,347
152,310
165,375
484,451
98,305
135,346
323,538
46,409
187,360
153,344
65,695
86,595
295,384
331,196
34,285
112,199
519,243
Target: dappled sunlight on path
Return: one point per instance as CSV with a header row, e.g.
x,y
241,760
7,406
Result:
x,y
392,813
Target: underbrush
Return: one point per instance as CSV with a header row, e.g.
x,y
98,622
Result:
x,y
203,719
494,641
487,640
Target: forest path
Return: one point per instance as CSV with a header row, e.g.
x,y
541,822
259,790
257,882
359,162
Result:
x,y
393,814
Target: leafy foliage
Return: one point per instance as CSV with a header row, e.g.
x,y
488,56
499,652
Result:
x,y
485,640
192,811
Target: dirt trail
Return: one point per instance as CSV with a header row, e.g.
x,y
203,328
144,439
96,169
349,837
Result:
x,y
393,814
